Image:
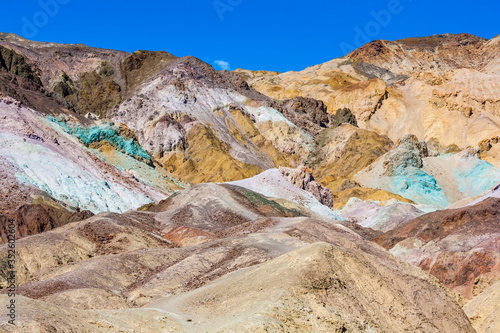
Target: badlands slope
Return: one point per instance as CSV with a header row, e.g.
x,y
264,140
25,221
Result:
x,y
252,201
237,264
39,155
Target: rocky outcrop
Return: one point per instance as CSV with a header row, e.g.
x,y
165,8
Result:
x,y
309,114
343,151
31,95
18,64
489,150
142,65
344,116
410,55
38,218
409,152
302,177
99,92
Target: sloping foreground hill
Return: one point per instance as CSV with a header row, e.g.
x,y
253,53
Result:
x,y
252,265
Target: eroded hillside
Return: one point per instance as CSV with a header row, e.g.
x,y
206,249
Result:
x,y
153,193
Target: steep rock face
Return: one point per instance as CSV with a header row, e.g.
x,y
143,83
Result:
x,y
340,153
492,193
19,65
84,79
207,159
98,92
409,152
210,208
489,150
458,246
31,95
453,112
309,114
302,177
441,88
363,98
35,219
343,151
142,65
81,77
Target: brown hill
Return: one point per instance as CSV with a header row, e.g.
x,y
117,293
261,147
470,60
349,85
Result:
x,y
458,246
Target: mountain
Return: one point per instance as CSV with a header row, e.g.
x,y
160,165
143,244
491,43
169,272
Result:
x,y
440,88
150,192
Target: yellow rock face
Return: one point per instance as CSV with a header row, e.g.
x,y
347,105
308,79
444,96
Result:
x,y
207,159
366,194
341,153
362,98
344,151
317,82
461,111
246,131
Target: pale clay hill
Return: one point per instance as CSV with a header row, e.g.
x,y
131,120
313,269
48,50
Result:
x,y
252,201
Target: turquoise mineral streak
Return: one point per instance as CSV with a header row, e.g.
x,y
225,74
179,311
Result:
x,y
103,132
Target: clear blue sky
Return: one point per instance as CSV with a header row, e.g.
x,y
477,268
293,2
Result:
x,y
252,34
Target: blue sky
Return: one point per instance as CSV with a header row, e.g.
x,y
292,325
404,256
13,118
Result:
x,y
251,34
